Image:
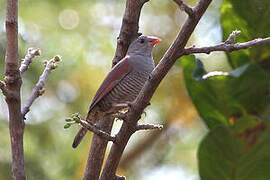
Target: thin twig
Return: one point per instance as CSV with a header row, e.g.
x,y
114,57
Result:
x,y
31,53
148,127
39,88
185,7
226,47
96,130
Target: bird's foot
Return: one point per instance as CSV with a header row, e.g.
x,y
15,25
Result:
x,y
120,116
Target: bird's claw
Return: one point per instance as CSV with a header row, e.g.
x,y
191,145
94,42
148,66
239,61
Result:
x,y
120,116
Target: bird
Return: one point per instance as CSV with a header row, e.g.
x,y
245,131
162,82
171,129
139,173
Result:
x,y
123,83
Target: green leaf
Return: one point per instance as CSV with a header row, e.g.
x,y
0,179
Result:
x,y
199,71
69,119
221,96
226,154
75,115
67,125
252,18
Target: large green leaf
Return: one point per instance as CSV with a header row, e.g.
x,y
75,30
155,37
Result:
x,y
221,96
236,154
252,18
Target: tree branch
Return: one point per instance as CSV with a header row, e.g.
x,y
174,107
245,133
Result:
x,y
129,28
96,130
39,88
185,7
13,84
227,46
31,53
149,88
129,31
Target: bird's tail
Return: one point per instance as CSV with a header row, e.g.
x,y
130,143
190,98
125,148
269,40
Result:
x,y
78,138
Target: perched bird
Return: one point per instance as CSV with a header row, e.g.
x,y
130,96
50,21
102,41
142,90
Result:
x,y
123,83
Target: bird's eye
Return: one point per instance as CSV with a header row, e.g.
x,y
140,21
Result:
x,y
141,41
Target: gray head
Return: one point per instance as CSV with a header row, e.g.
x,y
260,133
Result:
x,y
143,45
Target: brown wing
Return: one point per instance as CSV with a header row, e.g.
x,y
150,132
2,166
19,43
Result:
x,y
118,72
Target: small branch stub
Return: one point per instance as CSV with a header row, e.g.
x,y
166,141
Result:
x,y
227,46
31,53
232,37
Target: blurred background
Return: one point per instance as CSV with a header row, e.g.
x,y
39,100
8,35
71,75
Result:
x,y
84,33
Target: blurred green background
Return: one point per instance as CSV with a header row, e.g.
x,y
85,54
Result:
x,y
84,33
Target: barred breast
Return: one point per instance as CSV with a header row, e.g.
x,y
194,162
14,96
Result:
x,y
125,91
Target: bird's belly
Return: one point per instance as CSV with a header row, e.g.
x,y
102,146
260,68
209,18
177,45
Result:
x,y
125,91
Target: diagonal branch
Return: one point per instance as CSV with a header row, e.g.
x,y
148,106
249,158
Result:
x,y
137,107
39,88
185,7
96,130
31,53
227,46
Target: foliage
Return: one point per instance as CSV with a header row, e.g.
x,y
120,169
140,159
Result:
x,y
251,17
227,153
220,97
235,105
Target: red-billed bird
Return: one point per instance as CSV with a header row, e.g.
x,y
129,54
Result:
x,y
123,83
